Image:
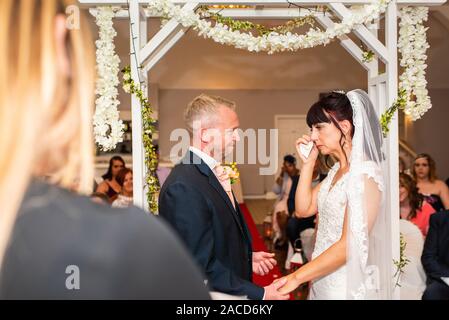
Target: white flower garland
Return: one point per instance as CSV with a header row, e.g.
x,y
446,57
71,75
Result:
x,y
108,128
412,45
272,42
412,42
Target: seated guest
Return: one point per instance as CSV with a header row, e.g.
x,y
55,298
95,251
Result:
x,y
125,197
435,257
54,243
110,186
435,191
296,225
413,207
280,210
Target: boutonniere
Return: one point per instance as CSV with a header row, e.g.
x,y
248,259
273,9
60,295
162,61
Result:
x,y
231,171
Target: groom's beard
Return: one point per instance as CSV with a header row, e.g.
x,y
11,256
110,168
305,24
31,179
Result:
x,y
223,156
219,153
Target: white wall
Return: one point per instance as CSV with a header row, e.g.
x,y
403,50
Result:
x,y
256,109
431,133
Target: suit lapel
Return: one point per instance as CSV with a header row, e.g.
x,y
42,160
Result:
x,y
192,158
242,219
213,181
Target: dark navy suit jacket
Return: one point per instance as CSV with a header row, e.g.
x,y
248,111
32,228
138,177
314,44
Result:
x,y
193,201
435,256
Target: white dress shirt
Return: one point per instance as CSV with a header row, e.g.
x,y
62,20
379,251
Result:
x,y
211,162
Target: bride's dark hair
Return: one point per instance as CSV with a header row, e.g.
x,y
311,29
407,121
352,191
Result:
x,y
332,108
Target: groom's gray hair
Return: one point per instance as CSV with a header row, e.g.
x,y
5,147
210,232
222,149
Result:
x,y
205,108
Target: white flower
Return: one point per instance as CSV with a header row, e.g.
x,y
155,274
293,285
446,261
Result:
x,y
412,42
272,42
412,45
108,128
127,88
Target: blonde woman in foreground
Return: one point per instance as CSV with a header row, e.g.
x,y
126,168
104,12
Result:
x,y
50,238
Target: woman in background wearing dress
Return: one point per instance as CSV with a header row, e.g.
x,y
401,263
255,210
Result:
x,y
125,197
435,191
413,207
110,186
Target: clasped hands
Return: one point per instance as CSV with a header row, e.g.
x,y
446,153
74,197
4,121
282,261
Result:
x,y
263,262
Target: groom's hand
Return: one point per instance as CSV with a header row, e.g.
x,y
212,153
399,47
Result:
x,y
263,262
290,283
272,293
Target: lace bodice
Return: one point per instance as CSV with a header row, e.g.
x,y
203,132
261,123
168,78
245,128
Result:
x,y
331,213
332,203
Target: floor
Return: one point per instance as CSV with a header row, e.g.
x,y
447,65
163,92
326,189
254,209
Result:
x,y
259,209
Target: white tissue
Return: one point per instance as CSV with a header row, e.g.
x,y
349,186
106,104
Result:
x,y
305,149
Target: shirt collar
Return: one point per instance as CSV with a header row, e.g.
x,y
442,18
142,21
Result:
x,y
211,162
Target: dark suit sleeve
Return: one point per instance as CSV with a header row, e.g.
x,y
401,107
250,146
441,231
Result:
x,y
189,212
430,260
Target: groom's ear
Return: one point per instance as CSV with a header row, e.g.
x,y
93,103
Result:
x,y
205,135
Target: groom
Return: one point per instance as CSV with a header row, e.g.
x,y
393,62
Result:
x,y
197,201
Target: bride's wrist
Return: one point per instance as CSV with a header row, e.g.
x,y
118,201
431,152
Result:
x,y
307,166
297,276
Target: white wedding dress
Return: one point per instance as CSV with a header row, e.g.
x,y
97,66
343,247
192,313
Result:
x,y
331,208
359,198
332,203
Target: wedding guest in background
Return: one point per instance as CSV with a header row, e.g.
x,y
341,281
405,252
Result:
x,y
435,258
296,224
125,197
110,186
283,186
54,243
413,207
435,191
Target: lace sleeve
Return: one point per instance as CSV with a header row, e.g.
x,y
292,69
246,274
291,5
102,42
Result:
x,y
371,170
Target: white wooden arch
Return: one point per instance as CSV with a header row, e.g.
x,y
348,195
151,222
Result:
x,y
382,88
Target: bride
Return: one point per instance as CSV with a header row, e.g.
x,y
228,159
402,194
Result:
x,y
350,259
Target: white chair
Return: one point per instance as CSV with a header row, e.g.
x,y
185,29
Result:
x,y
296,257
413,280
